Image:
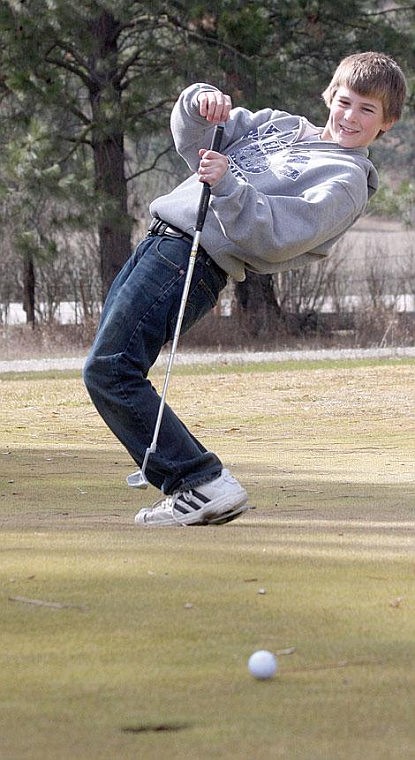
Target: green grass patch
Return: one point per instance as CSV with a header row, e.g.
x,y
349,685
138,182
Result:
x,y
155,630
126,643
228,367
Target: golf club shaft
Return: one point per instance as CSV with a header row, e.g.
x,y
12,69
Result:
x,y
201,216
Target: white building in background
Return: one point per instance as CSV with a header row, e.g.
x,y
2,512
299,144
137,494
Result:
x,y
67,313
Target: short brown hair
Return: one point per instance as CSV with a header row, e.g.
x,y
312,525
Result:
x,y
372,74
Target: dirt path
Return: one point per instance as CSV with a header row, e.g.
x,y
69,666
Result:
x,y
220,357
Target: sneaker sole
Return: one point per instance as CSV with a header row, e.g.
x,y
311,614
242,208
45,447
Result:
x,y
230,515
227,516
222,519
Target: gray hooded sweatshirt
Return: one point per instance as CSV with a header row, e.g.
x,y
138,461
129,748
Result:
x,y
286,197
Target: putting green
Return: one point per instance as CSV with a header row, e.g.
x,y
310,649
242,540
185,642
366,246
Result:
x,y
126,643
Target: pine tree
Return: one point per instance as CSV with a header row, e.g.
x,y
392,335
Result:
x,y
82,81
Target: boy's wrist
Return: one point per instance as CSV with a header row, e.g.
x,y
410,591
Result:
x,y
225,186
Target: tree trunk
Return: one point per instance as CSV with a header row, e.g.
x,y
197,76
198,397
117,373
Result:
x,y
257,305
29,288
114,225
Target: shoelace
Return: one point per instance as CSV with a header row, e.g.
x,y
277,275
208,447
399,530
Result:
x,y
163,504
169,502
186,495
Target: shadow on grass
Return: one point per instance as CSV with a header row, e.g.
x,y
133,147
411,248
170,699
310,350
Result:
x,y
65,488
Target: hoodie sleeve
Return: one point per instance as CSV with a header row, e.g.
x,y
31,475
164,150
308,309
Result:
x,y
191,131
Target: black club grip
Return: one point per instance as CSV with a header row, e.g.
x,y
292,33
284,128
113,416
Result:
x,y
204,200
217,138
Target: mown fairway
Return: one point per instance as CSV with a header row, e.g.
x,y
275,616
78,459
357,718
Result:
x,y
126,643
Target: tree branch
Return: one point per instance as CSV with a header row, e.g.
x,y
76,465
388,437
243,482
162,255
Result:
x,y
152,166
386,11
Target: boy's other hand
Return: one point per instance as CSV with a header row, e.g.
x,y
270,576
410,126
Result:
x,y
213,166
215,106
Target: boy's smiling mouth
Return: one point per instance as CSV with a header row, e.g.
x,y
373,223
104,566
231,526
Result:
x,y
348,130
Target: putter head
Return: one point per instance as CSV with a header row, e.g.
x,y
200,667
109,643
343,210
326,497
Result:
x,y
137,480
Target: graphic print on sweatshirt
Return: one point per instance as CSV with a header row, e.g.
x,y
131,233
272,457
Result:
x,y
270,151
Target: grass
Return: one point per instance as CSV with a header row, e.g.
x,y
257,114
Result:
x,y
122,643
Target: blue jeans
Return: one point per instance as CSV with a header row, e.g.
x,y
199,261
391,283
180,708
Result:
x,y
138,318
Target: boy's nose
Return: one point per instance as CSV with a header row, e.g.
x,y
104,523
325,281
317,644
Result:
x,y
350,114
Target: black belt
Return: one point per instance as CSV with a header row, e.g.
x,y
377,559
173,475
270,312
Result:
x,y
158,227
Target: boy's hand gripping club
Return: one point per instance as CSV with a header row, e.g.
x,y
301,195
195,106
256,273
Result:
x,y
138,479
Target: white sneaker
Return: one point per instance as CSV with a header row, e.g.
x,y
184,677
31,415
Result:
x,y
216,502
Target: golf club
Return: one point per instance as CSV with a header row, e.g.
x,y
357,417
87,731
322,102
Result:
x,y
138,479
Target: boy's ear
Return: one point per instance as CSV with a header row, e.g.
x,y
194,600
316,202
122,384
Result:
x,y
388,125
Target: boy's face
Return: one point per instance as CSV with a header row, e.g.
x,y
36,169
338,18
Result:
x,y
354,120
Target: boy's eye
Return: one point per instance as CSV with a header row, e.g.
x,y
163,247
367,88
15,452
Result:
x,y
344,103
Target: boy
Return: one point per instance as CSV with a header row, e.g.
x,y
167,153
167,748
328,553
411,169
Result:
x,y
282,192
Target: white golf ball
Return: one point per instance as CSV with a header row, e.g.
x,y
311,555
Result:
x,y
262,664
